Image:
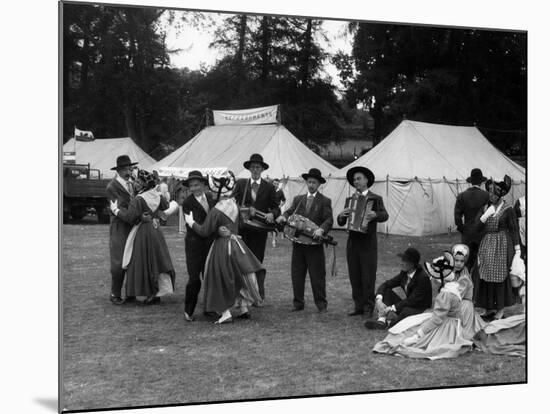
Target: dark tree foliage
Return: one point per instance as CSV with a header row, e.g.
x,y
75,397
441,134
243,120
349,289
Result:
x,y
442,75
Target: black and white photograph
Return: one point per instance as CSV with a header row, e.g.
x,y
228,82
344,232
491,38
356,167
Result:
x,y
261,206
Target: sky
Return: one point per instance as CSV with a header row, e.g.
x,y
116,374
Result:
x,y
194,44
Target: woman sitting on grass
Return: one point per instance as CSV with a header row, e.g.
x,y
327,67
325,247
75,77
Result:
x,y
438,333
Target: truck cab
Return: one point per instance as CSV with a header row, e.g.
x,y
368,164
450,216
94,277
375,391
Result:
x,y
84,193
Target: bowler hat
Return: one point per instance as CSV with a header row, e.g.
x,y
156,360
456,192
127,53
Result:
x,y
314,173
368,173
411,255
123,161
258,159
476,177
195,175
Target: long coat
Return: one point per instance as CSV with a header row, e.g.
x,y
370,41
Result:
x,y
467,206
118,229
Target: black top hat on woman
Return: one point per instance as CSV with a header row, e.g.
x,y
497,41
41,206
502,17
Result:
x,y
476,177
314,173
258,159
365,171
145,180
123,161
195,175
499,188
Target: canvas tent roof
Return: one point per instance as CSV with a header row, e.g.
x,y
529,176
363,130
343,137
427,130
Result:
x,y
228,146
433,151
101,154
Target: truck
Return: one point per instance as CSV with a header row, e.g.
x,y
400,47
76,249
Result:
x,y
84,193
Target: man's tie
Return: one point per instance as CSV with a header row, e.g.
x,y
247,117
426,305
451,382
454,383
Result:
x,y
309,202
255,186
130,189
204,203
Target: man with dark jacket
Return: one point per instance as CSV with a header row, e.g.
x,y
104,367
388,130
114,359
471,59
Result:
x,y
196,247
119,189
362,248
416,285
467,206
258,194
316,207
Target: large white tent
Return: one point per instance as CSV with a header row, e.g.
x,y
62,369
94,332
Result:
x,y
101,154
229,146
420,168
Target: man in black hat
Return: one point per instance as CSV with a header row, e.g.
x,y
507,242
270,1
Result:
x,y
260,195
316,207
416,285
119,189
196,247
362,248
467,206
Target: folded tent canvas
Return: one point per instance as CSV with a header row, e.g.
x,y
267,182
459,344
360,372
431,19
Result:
x,y
102,153
420,168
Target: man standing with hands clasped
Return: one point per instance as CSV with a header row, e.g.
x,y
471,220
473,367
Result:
x,y
362,248
316,207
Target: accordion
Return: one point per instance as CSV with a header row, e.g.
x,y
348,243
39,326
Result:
x,y
359,206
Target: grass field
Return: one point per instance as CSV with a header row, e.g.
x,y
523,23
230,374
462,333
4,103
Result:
x,y
131,355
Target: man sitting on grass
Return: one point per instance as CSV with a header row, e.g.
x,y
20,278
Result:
x,y
418,293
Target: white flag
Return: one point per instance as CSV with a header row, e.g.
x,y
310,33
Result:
x,y
80,135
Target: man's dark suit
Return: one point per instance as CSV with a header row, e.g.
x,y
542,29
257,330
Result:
x,y
118,233
468,204
418,293
312,257
266,202
362,256
196,250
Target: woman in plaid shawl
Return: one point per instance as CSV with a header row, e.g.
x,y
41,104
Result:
x,y
499,245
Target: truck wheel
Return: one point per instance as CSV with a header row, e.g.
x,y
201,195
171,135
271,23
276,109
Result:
x,y
78,214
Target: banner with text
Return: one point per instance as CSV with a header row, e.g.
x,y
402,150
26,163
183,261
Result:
x,y
254,116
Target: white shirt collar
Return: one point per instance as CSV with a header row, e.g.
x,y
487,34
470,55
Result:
x,y
365,193
258,181
313,195
411,273
200,198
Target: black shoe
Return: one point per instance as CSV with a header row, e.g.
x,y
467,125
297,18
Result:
x,y
375,324
356,312
116,300
151,301
245,315
297,309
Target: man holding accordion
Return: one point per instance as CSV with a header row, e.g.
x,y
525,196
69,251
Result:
x,y
310,255
362,213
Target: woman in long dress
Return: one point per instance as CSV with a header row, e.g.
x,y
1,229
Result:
x,y
230,282
470,319
499,245
436,334
149,269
